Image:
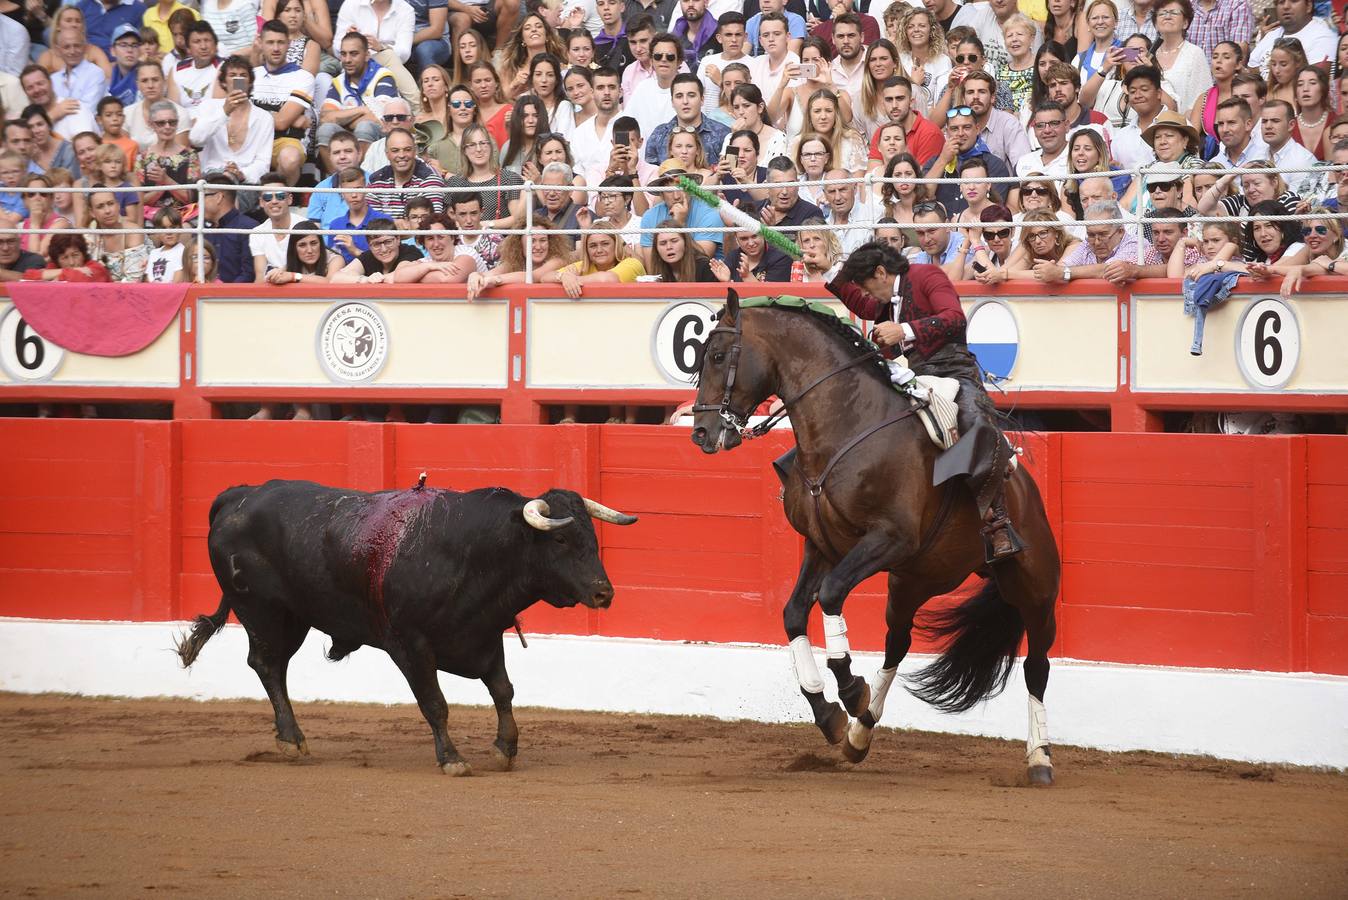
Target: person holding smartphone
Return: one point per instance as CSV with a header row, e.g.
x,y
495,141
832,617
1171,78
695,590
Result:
x,y
231,133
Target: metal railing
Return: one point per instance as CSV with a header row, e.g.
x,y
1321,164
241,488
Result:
x,y
870,182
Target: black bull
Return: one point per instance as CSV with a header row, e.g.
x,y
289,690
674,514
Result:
x,y
432,577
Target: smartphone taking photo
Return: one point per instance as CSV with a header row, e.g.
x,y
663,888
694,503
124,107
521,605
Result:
x,y
238,83
1130,54
809,70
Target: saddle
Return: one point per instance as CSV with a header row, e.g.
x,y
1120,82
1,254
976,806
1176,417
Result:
x,y
939,413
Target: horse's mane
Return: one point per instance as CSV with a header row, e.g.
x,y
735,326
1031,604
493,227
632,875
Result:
x,y
841,330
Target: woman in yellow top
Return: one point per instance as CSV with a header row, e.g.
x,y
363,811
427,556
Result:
x,y
603,259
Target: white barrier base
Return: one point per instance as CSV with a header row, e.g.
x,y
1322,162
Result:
x,y
1252,716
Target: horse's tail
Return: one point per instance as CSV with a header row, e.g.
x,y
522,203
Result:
x,y
981,637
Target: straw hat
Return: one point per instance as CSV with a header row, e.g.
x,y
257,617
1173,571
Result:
x,y
1172,120
670,171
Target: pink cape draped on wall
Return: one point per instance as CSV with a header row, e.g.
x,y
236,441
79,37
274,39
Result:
x,y
98,319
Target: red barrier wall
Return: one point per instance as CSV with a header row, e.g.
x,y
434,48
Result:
x,y
1180,550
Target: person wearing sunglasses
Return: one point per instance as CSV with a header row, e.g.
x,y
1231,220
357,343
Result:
x,y
444,149
988,248
652,102
1324,247
269,241
1043,239
962,144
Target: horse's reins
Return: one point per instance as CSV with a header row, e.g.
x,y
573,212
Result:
x,y
739,422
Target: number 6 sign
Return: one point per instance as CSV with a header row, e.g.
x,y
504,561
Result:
x,y
677,341
1268,343
24,355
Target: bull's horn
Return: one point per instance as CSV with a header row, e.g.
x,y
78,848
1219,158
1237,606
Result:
x,y
604,514
536,514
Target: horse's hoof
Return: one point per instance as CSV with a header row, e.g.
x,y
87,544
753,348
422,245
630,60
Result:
x,y
292,751
505,762
859,703
459,769
1041,775
853,753
835,725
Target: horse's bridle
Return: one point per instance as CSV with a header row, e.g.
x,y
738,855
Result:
x,y
731,418
739,421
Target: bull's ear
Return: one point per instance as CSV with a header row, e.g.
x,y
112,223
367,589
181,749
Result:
x,y
732,305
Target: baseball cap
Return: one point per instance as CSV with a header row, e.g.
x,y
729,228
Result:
x,y
124,30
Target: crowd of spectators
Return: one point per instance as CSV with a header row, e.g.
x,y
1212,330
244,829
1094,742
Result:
x,y
376,101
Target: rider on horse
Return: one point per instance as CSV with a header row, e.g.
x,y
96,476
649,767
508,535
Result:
x,y
918,313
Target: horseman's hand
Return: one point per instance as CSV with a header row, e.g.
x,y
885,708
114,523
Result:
x,y
888,334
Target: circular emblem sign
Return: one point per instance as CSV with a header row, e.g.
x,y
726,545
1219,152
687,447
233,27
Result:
x,y
352,342
679,337
1268,343
994,338
23,353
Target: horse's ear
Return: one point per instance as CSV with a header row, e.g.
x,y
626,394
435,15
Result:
x,y
732,304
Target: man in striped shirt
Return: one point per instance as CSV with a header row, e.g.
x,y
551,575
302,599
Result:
x,y
404,171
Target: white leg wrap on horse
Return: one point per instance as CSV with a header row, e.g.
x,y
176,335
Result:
x,y
835,636
807,671
1038,738
879,688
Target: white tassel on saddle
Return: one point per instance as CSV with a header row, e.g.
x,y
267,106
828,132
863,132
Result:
x,y
905,379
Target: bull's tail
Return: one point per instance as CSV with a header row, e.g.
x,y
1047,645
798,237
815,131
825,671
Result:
x,y
203,629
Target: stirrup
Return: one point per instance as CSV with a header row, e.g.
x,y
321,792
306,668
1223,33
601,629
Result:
x,y
1000,540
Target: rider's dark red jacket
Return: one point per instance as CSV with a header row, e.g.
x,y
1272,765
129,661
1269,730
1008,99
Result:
x,y
930,307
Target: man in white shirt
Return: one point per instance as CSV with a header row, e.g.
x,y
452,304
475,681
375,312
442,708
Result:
x,y
768,69
978,16
388,26
1276,128
14,47
650,103
1297,20
267,247
69,117
396,114
194,78
841,208
77,79
1235,129
285,91
730,35
1128,147
592,141
849,66
1050,125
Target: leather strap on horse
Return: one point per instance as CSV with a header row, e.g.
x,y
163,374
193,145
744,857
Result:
x,y
816,486
765,426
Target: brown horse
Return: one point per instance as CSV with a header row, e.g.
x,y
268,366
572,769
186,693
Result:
x,y
860,492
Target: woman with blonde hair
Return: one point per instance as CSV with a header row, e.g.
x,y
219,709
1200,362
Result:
x,y
1088,152
826,121
1038,192
685,146
549,250
1042,240
459,107
1323,238
1017,71
1102,19
1284,61
920,41
603,259
820,250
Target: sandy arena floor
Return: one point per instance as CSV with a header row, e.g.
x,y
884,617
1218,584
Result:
x,y
102,797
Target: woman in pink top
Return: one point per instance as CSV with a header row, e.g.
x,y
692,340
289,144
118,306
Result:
x,y
40,215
